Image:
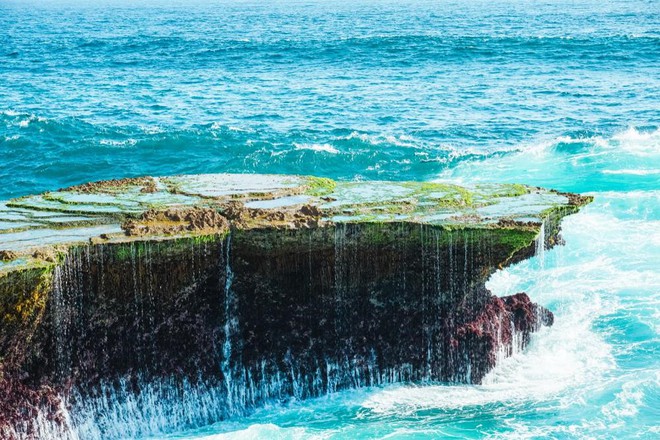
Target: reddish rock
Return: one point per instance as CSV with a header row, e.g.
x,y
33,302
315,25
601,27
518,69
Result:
x,y
493,330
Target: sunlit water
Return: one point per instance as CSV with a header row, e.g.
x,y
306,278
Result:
x,y
560,94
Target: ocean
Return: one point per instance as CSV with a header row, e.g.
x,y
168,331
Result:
x,y
556,93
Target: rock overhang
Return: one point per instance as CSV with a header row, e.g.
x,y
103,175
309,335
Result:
x,y
283,269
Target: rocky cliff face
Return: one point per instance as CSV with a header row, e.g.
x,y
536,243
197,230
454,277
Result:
x,y
191,315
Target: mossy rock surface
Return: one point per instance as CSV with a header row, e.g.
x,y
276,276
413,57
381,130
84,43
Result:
x,y
97,212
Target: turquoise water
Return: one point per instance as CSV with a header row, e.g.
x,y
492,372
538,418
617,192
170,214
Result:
x,y
560,93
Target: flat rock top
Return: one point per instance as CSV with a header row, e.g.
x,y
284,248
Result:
x,y
118,209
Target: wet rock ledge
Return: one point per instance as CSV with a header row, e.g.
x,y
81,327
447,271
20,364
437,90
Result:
x,y
142,305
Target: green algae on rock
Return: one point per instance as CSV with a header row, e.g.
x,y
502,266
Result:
x,y
243,289
97,211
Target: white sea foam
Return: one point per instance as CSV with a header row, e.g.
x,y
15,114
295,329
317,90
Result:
x,y
24,119
262,431
152,129
116,143
632,134
325,148
633,172
556,162
221,126
399,141
638,143
627,402
631,141
240,129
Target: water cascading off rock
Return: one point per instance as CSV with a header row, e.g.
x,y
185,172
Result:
x,y
249,289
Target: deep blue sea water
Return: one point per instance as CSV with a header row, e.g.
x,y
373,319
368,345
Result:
x,y
557,93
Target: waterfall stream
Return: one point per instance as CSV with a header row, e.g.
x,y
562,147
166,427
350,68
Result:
x,y
540,245
230,327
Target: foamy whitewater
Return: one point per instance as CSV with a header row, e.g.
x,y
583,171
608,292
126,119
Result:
x,y
559,94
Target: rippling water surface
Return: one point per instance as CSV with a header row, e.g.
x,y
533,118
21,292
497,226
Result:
x,y
558,93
